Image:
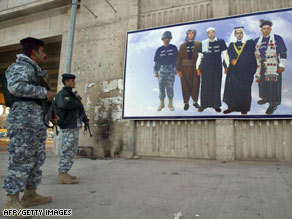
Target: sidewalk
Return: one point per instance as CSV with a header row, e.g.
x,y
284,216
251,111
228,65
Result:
x,y
156,189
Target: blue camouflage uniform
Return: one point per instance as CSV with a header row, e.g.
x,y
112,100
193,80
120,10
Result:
x,y
25,127
165,62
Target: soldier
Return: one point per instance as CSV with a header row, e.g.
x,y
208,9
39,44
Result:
x,y
69,109
271,55
165,62
26,128
186,67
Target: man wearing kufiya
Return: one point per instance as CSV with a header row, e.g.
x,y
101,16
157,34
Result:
x,y
271,55
209,65
240,75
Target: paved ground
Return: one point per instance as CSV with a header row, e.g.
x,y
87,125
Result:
x,y
156,189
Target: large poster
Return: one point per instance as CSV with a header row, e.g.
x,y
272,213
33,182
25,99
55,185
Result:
x,y
233,67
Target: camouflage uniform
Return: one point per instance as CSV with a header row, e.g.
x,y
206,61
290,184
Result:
x,y
69,149
166,80
25,127
165,62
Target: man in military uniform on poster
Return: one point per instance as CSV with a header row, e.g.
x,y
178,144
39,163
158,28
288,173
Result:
x,y
164,69
26,128
69,110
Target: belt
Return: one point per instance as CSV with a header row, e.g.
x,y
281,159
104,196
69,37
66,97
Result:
x,y
186,62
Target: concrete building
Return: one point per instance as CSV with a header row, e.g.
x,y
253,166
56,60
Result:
x,y
98,61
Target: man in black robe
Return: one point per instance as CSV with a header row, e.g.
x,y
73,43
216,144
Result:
x,y
209,65
271,55
237,92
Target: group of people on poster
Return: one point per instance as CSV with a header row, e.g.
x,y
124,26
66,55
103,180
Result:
x,y
200,63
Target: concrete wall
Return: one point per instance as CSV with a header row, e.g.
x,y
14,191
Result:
x,y
98,59
220,139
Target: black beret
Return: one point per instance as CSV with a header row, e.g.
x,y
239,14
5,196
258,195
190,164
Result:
x,y
266,22
67,75
31,41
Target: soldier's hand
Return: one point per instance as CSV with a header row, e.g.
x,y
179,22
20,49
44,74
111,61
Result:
x,y
180,74
50,95
280,69
199,72
156,75
55,120
225,70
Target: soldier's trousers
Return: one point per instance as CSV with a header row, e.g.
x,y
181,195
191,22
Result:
x,y
166,81
69,149
26,155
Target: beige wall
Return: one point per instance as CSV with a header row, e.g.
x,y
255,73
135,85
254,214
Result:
x,y
98,61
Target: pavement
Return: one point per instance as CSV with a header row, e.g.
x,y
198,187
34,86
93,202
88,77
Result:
x,y
166,189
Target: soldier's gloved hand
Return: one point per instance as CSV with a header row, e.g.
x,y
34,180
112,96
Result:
x,y
180,74
280,69
55,120
225,70
156,75
199,72
50,96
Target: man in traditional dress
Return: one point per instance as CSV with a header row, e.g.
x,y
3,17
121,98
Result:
x,y
271,55
237,93
209,64
164,69
186,67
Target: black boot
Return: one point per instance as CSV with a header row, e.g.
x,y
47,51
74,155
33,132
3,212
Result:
x,y
186,107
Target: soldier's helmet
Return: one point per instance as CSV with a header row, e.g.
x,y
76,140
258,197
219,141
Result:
x,y
166,34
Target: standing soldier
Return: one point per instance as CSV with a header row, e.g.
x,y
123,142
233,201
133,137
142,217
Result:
x,y
186,67
26,128
69,110
210,56
271,54
165,62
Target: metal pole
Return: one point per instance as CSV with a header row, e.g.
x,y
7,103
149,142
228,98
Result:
x,y
68,60
70,41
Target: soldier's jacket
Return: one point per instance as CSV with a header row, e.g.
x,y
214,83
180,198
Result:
x,y
22,82
68,108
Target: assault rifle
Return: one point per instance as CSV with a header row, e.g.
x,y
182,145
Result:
x,y
49,107
83,117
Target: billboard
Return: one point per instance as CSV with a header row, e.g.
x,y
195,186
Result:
x,y
232,67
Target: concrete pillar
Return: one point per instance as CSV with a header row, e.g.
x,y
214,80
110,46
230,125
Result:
x,y
133,22
225,140
129,148
220,8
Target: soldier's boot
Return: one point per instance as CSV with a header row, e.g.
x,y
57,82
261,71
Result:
x,y
31,198
72,177
64,178
161,106
14,203
170,105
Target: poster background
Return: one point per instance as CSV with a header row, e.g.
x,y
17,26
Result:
x,y
141,87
